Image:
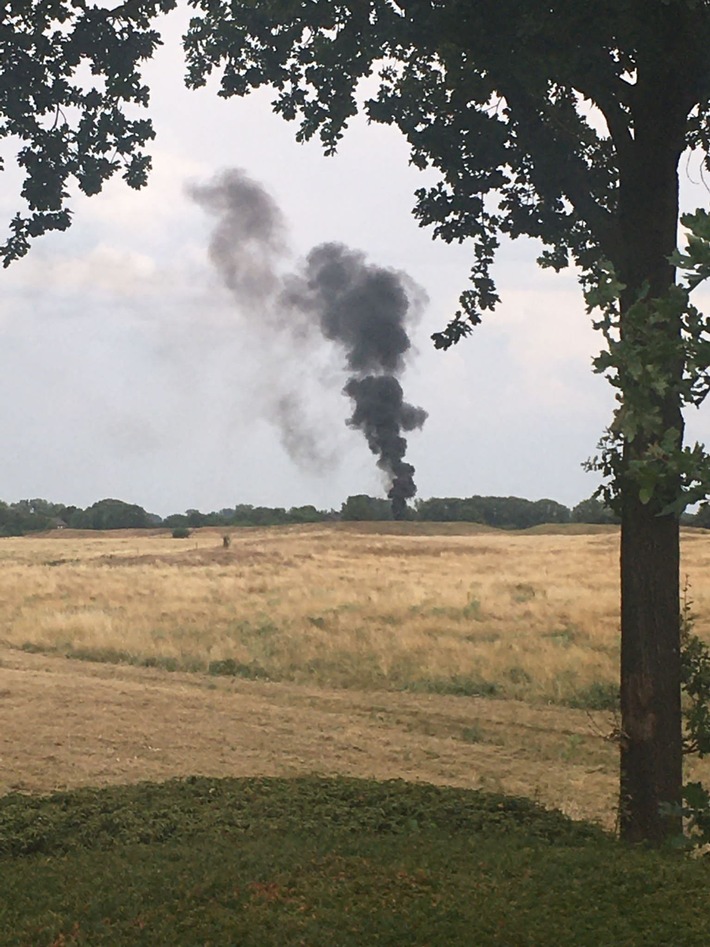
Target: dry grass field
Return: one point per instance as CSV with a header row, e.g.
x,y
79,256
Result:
x,y
451,653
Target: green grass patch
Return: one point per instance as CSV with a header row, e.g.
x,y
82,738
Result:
x,y
458,685
564,637
116,656
600,695
231,668
31,648
472,610
310,861
522,592
518,675
473,734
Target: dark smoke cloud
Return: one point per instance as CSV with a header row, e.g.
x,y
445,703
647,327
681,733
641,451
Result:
x,y
335,294
381,413
362,307
250,236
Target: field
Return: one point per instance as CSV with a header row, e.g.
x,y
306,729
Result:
x,y
448,654
362,722
531,617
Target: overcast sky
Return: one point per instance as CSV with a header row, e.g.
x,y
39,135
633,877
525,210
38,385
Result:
x,y
129,371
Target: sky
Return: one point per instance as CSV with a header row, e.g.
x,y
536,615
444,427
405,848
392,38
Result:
x,y
128,369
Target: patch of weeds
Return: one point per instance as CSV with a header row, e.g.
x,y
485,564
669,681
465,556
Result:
x,y
457,685
472,610
259,631
348,669
261,638
600,695
563,637
165,663
317,669
32,648
442,611
476,637
115,656
422,725
518,675
240,629
565,680
473,734
522,592
571,749
102,655
347,606
317,621
231,668
265,629
403,669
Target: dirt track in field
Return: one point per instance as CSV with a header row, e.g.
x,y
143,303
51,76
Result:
x,y
65,724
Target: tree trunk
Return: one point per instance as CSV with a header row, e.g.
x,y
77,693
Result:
x,y
651,731
651,739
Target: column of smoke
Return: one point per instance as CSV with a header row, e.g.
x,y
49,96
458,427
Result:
x,y
336,294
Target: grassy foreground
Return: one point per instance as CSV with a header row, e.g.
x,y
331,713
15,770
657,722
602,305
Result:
x,y
311,861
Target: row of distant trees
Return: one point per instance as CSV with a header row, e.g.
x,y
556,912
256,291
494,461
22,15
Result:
x,y
502,512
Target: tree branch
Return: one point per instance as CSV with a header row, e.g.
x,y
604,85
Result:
x,y
572,175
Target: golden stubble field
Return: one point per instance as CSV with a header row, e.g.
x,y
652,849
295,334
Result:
x,y
448,653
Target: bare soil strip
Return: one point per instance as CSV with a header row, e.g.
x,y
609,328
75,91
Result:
x,y
65,724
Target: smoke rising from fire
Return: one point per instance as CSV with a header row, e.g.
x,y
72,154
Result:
x,y
334,294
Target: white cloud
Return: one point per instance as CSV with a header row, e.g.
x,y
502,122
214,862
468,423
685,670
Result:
x,y
118,271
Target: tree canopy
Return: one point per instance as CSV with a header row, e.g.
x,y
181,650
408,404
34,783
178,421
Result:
x,y
497,96
69,78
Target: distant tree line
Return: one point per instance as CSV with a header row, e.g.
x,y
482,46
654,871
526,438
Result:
x,y
37,515
501,512
27,516
246,515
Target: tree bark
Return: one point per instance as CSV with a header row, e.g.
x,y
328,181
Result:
x,y
651,739
651,772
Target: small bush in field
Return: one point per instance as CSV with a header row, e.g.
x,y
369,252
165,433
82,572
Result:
x,y
181,532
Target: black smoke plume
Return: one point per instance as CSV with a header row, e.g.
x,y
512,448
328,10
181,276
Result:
x,y
362,308
365,308
381,413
